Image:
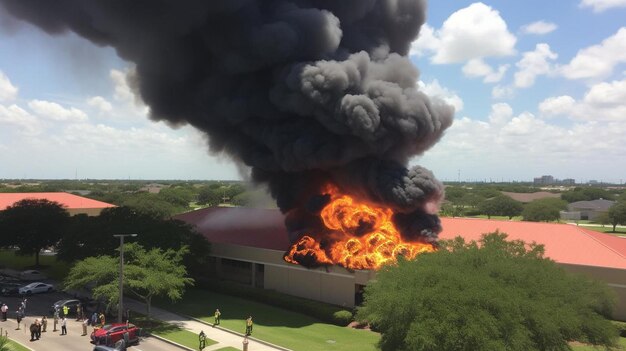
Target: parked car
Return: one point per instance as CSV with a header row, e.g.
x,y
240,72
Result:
x,y
119,346
70,303
112,333
10,289
32,274
35,288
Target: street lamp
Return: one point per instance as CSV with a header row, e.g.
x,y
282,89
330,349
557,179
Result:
x,y
121,304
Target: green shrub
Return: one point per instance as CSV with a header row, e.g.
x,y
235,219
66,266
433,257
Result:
x,y
343,316
325,312
621,326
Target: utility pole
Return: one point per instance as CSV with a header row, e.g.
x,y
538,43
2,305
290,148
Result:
x,y
120,313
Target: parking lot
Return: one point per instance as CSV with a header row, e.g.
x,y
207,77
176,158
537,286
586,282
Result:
x,y
39,305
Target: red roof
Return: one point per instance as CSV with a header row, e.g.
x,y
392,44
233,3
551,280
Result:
x,y
68,201
563,243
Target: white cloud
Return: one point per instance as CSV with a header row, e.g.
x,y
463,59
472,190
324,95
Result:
x,y
533,64
8,92
18,117
478,68
603,102
602,5
607,94
502,92
100,103
434,89
473,32
525,145
598,61
539,28
426,42
56,112
555,106
122,89
500,113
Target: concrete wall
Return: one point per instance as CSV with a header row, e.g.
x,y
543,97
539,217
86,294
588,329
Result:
x,y
615,278
337,285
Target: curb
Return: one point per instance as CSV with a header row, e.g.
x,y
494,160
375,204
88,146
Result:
x,y
19,343
172,342
236,333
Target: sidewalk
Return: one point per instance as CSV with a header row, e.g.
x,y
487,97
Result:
x,y
224,338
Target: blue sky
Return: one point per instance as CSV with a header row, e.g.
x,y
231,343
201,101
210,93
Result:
x,y
539,88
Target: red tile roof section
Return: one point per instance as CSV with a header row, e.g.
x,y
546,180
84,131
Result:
x,y
563,243
69,201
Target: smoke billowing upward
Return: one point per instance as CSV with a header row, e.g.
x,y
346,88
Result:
x,y
302,91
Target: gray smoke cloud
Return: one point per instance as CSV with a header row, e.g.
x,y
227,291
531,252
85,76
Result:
x,y
301,91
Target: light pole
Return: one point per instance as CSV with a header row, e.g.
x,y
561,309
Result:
x,y
121,304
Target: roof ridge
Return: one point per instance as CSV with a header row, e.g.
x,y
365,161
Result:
x,y
585,232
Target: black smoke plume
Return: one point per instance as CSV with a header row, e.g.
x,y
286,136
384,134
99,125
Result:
x,y
302,91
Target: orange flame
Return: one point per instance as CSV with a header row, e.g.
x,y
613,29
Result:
x,y
363,236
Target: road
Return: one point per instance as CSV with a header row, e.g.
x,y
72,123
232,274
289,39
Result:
x,y
39,305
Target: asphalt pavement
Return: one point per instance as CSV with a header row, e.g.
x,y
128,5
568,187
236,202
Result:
x,y
39,305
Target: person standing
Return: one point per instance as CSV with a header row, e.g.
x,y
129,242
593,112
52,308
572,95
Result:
x,y
202,339
64,326
79,312
44,323
66,311
56,319
33,331
94,318
38,328
85,321
218,314
19,318
4,309
102,319
249,325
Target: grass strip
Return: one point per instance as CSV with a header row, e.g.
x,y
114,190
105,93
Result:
x,y
289,329
170,332
15,346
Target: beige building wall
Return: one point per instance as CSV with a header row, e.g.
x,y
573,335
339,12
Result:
x,y
337,285
615,278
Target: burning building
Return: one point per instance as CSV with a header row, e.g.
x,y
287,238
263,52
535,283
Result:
x,y
251,252
317,99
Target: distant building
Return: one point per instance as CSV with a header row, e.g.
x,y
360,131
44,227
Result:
x,y
247,246
544,180
550,180
586,210
74,204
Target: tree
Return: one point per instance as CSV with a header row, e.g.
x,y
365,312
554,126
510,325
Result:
x,y
34,224
93,236
146,274
491,295
501,205
586,194
544,210
617,214
209,196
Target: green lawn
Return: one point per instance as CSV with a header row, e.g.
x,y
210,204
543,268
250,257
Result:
x,y
281,327
622,346
170,332
605,229
228,349
49,265
14,346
